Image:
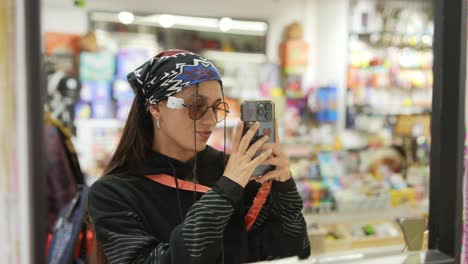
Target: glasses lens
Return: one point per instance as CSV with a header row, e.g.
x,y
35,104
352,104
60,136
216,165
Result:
x,y
198,109
221,111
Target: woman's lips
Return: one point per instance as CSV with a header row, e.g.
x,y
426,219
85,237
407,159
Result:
x,y
205,135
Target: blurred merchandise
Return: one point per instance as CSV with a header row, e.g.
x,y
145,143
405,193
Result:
x,y
130,59
95,140
327,238
57,42
327,104
97,66
82,110
62,94
102,109
88,42
293,50
390,59
366,179
292,55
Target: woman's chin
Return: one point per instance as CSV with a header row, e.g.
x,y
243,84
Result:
x,y
201,146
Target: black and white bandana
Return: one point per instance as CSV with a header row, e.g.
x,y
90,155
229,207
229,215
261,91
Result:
x,y
170,72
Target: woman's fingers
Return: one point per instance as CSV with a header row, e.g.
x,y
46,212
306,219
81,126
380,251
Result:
x,y
273,161
237,136
276,148
253,178
268,176
256,146
245,141
261,158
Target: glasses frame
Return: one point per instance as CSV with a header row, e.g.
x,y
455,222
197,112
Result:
x,y
213,107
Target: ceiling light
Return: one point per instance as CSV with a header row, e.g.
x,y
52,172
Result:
x,y
249,25
225,24
197,21
126,18
166,21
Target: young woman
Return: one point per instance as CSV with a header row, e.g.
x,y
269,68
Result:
x,y
168,197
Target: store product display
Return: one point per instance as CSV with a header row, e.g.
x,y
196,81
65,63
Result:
x,y
97,66
347,181
62,91
328,238
390,63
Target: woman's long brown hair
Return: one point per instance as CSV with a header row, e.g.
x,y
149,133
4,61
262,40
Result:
x,y
137,138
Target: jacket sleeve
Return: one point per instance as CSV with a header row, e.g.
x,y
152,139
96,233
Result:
x,y
123,237
280,229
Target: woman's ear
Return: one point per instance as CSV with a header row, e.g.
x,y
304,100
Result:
x,y
155,111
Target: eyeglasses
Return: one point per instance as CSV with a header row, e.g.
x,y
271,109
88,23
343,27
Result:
x,y
198,109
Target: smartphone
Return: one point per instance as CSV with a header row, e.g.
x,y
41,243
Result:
x,y
263,112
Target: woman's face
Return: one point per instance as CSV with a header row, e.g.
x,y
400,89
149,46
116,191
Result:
x,y
177,128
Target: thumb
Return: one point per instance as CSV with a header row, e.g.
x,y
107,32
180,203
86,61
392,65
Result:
x,y
269,176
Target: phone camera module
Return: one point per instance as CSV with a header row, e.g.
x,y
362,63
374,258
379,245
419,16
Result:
x,y
260,111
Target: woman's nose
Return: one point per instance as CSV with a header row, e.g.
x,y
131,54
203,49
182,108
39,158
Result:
x,y
210,116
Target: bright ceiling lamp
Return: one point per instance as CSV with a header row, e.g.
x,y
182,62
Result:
x,y
197,21
126,18
249,25
175,21
225,24
166,21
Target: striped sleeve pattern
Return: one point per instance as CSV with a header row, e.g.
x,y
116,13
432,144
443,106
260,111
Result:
x,y
306,243
205,223
280,229
288,207
202,229
124,248
121,249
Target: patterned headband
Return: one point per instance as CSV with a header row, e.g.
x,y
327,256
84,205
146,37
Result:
x,y
169,73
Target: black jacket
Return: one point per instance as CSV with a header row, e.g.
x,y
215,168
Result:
x,y
137,220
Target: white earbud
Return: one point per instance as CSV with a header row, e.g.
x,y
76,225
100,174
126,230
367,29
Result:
x,y
175,103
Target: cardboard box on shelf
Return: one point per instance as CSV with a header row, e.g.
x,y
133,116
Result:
x,y
329,238
413,124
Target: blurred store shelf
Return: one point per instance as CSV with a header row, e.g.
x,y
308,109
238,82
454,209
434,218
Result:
x,y
347,256
235,56
95,122
363,215
383,255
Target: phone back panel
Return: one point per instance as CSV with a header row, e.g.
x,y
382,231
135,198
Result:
x,y
263,112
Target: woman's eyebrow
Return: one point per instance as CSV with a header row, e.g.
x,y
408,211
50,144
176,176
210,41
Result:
x,y
206,98
199,95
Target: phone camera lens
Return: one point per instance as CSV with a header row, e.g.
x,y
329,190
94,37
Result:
x,y
268,107
268,116
260,111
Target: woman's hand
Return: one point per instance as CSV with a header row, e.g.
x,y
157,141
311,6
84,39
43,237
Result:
x,y
242,163
279,159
